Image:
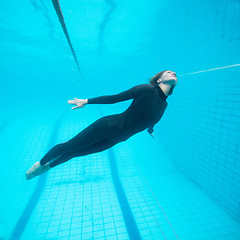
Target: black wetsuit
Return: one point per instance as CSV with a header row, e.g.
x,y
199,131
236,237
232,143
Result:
x,y
146,109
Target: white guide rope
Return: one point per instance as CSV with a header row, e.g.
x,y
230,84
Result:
x,y
213,69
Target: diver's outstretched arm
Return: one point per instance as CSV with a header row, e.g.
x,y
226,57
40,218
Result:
x,y
109,99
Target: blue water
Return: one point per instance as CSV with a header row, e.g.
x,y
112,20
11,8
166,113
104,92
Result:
x,y
184,184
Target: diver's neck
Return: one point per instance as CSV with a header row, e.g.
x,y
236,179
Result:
x,y
167,89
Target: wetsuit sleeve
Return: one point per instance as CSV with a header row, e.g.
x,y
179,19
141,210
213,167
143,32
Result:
x,y
123,96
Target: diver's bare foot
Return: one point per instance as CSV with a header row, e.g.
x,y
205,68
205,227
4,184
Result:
x,y
37,169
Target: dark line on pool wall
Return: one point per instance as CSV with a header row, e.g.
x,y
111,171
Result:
x,y
27,212
59,13
130,223
104,22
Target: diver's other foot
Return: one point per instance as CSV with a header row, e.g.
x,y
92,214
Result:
x,y
37,169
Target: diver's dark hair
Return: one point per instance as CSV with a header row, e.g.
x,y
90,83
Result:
x,y
154,79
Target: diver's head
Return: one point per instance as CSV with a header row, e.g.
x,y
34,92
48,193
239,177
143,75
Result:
x,y
165,79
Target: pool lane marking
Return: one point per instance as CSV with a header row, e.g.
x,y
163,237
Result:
x,y
104,22
27,212
130,223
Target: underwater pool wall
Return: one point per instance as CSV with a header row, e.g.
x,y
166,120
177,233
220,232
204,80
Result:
x,y
201,132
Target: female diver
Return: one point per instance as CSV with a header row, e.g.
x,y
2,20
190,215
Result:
x,y
146,109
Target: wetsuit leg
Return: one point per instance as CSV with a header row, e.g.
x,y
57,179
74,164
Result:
x,y
98,131
94,148
55,152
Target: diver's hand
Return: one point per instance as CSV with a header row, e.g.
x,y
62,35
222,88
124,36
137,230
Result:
x,y
79,102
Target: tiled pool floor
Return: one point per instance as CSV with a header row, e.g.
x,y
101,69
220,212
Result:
x,y
81,201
